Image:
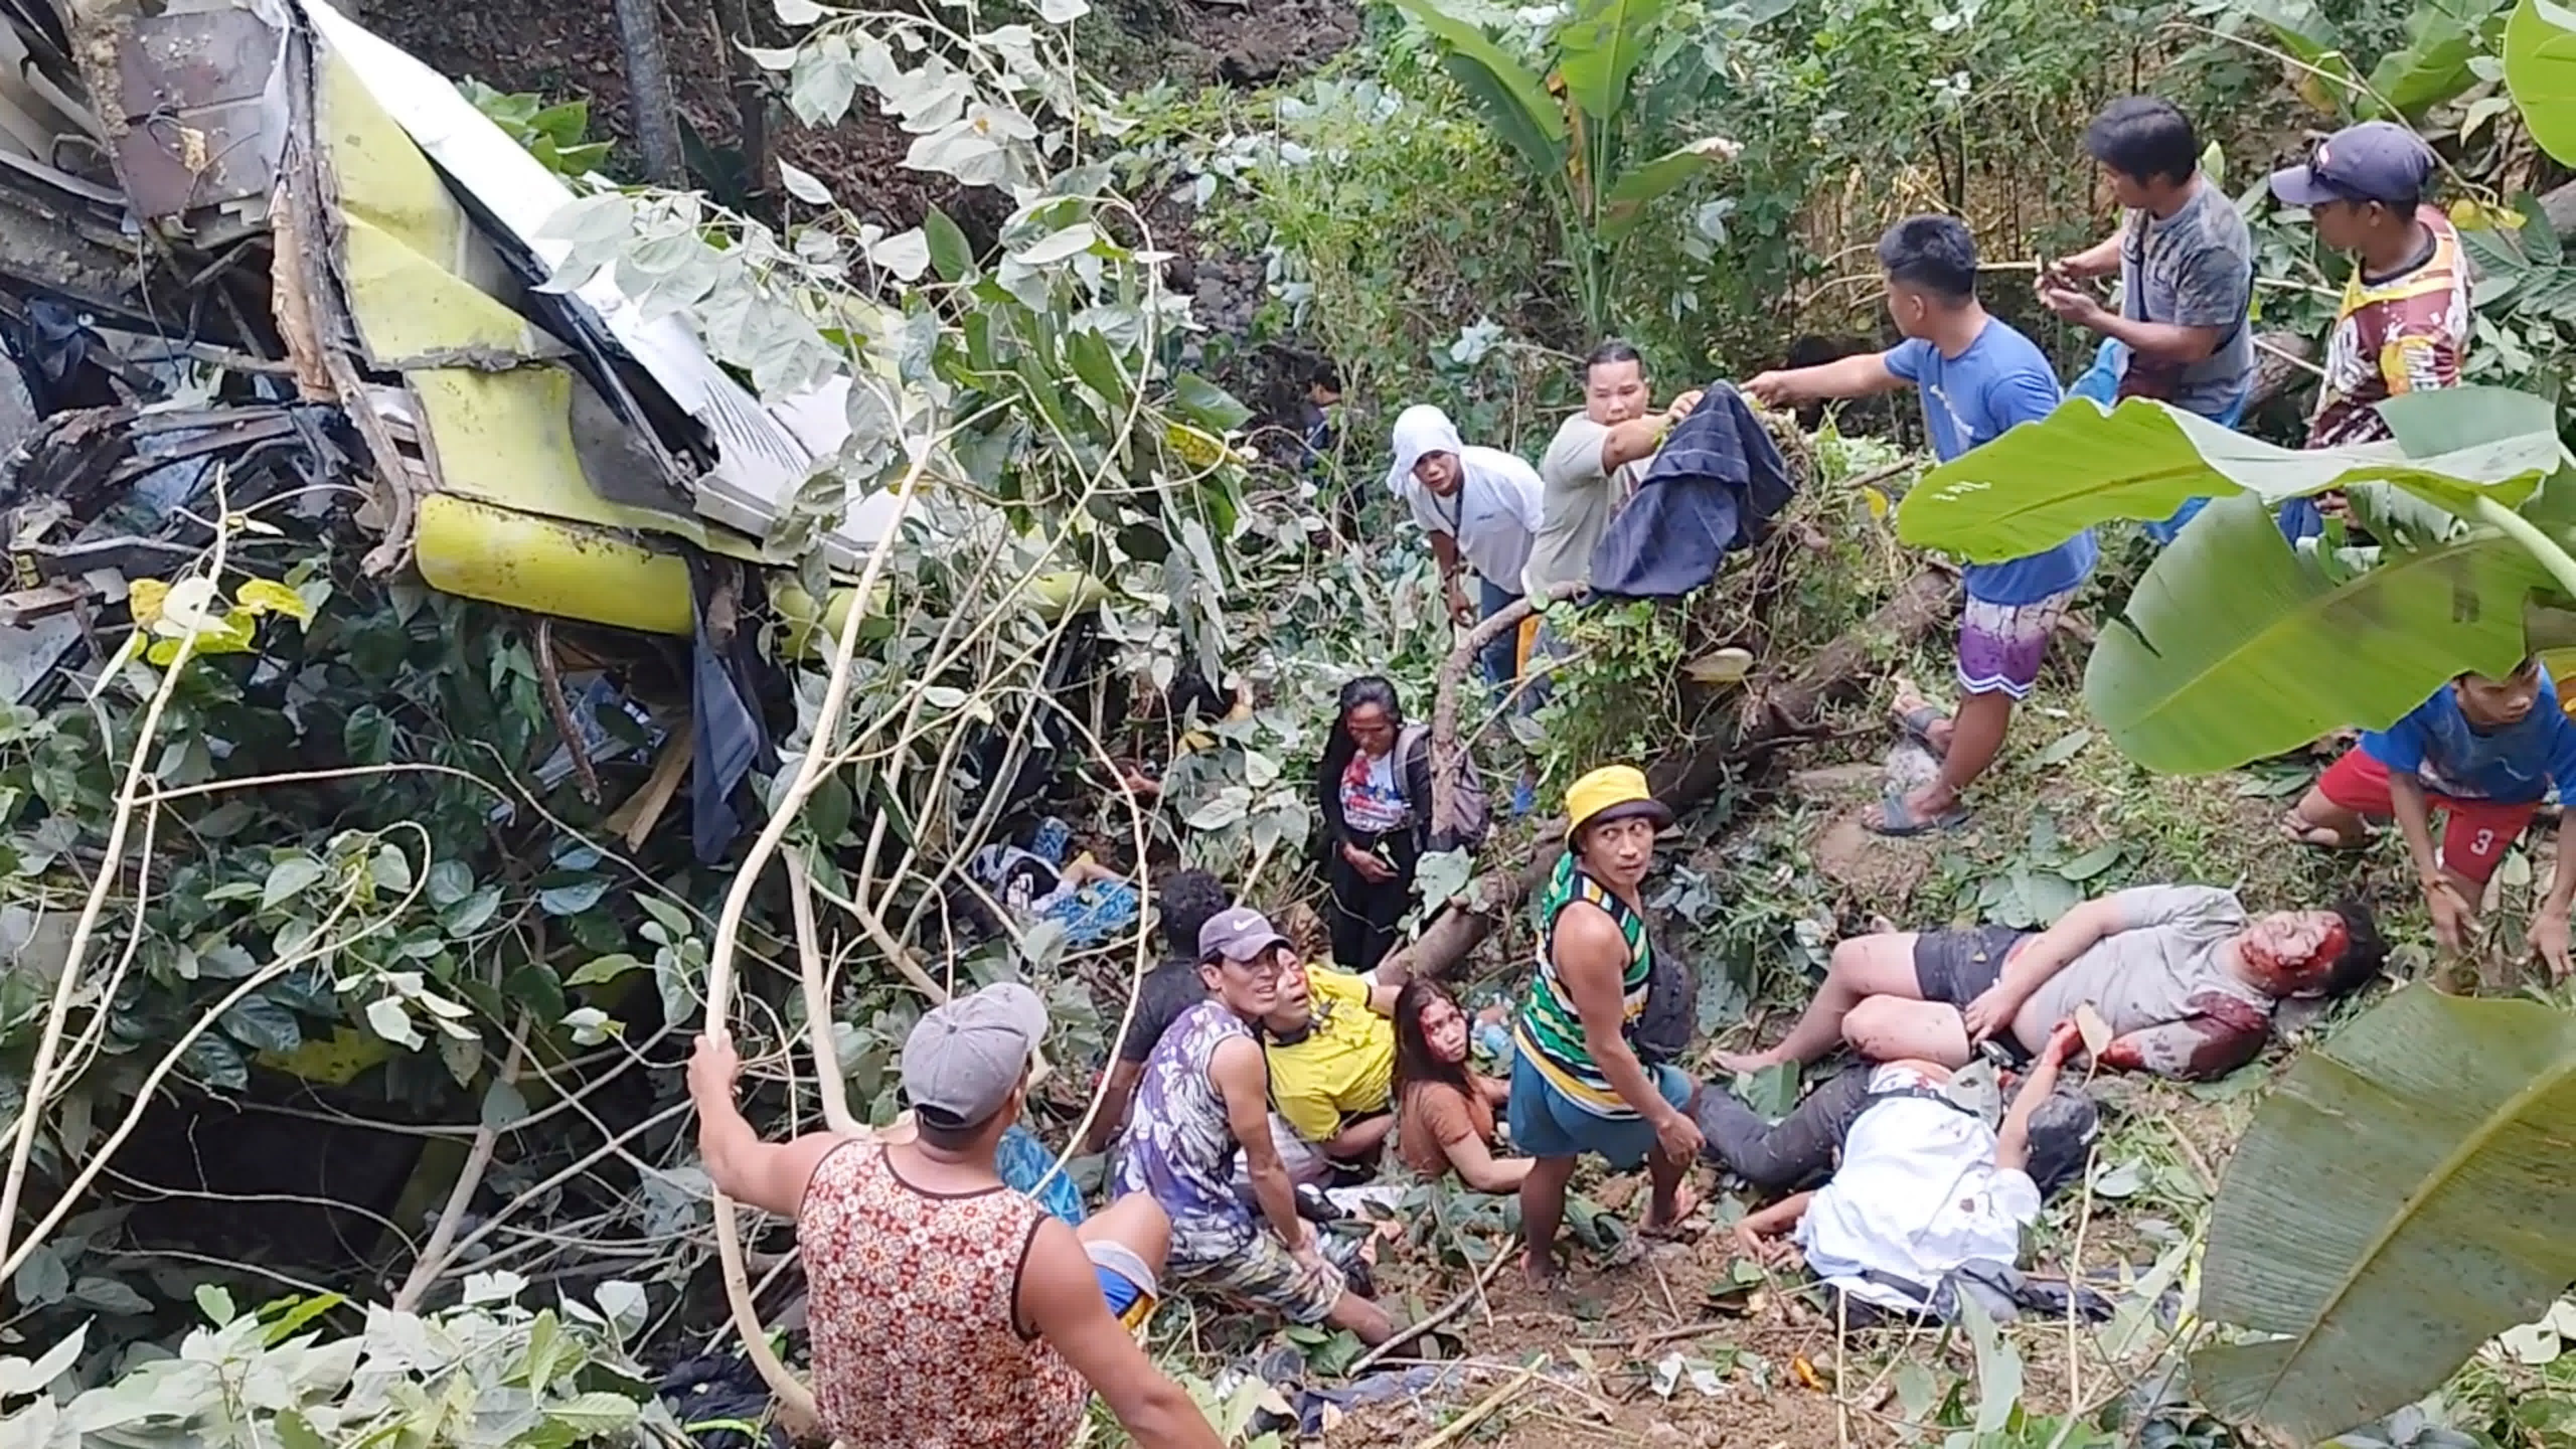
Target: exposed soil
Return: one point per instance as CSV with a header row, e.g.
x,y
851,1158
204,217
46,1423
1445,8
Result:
x,y
571,52
1774,1354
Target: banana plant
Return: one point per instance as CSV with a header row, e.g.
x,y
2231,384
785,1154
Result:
x,y
1577,122
2235,645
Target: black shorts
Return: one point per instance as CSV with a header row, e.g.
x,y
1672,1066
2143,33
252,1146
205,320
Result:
x,y
1956,967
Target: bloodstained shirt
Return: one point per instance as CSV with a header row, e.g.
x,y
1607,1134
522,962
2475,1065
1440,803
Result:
x,y
2396,334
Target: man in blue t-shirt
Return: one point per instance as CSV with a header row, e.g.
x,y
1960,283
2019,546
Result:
x,y
2486,752
1977,377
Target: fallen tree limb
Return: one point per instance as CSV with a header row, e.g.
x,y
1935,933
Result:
x,y
1503,1253
1771,711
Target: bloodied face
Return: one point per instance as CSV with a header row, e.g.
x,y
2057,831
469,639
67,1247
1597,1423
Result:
x,y
1444,1027
2292,953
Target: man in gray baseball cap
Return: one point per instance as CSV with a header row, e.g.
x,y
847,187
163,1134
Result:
x,y
1239,935
968,1058
2405,322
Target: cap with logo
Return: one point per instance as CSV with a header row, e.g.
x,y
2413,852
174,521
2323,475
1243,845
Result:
x,y
2375,161
965,1056
1613,792
1239,934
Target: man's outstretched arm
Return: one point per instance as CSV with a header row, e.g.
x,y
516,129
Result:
x,y
770,1176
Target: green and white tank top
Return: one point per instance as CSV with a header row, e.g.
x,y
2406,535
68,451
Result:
x,y
1550,1031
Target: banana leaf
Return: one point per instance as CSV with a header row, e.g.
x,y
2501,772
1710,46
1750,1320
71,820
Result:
x,y
2540,71
2042,483
2402,1197
1599,48
1510,94
2235,646
1642,184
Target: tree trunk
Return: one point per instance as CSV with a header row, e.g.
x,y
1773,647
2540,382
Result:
x,y
750,94
648,92
1772,713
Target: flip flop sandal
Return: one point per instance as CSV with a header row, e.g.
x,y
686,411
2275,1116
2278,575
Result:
x,y
1893,819
1917,724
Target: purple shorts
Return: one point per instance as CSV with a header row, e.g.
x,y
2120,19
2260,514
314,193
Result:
x,y
2001,645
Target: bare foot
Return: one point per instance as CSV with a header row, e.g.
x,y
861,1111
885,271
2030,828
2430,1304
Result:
x,y
1541,1271
1669,1224
2323,836
1746,1063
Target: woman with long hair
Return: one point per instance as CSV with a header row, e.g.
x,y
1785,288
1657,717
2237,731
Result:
x,y
1444,1108
1373,800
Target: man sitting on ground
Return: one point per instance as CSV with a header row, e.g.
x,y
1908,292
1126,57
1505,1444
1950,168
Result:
x,y
1183,905
1205,1093
2186,981
2485,751
1332,1058
947,1310
1578,1085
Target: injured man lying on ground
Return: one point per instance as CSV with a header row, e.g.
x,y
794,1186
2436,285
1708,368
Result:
x,y
1929,1198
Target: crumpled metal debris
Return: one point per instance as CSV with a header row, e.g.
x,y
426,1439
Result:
x,y
251,234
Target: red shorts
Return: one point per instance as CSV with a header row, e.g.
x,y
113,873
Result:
x,y
2474,832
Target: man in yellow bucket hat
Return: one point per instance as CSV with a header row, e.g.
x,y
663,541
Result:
x,y
1578,1084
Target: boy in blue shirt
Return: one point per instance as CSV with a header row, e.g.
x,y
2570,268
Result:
x,y
1977,377
2486,752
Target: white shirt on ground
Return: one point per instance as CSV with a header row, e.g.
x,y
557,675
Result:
x,y
1917,1195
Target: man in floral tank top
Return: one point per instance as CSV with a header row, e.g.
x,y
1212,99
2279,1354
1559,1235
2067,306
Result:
x,y
948,1311
1206,1094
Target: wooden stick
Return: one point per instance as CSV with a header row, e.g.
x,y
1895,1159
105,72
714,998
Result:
x,y
1482,1409
1452,1309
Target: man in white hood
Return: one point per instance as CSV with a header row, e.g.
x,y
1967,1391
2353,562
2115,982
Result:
x,y
1481,507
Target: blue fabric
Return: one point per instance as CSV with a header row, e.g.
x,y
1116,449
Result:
x,y
2000,380
1504,648
1024,1163
2436,744
1096,912
1713,488
1547,1123
1051,840
1122,1295
2101,382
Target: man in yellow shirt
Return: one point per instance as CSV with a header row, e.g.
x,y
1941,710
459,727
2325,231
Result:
x,y
1331,1042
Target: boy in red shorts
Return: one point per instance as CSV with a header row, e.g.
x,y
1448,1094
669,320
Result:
x,y
2486,752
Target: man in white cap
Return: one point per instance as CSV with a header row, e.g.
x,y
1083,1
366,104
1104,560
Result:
x,y
1480,508
1206,1094
948,1311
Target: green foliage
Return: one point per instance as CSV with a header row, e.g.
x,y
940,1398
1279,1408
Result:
x,y
553,134
1597,136
2039,484
486,1373
2540,67
2327,1275
2234,645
